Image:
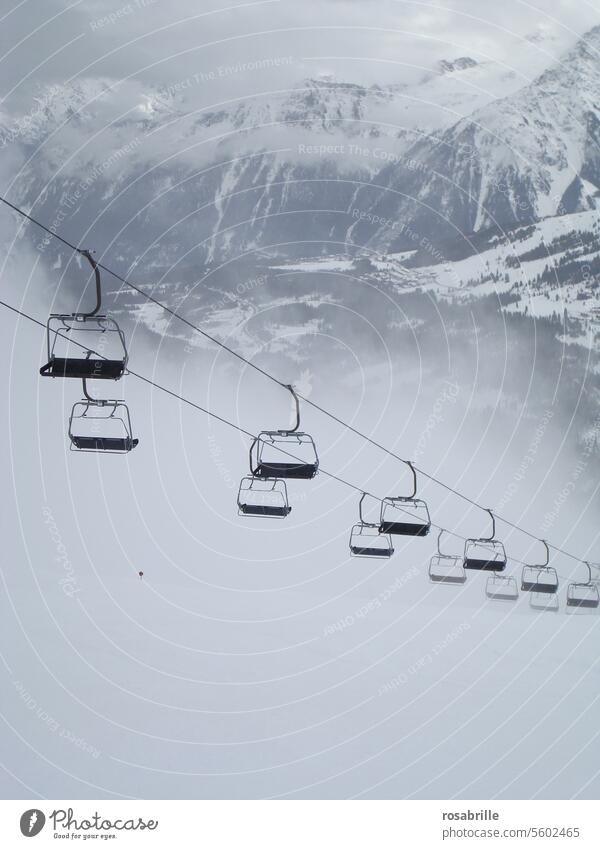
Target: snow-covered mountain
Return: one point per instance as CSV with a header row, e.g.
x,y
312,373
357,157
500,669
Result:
x,y
407,180
275,168
516,160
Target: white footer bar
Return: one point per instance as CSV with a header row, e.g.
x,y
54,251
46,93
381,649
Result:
x,y
301,824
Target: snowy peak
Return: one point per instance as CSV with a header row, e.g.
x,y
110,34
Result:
x,y
544,138
519,159
457,160
446,66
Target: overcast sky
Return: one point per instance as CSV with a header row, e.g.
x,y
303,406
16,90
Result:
x,y
161,42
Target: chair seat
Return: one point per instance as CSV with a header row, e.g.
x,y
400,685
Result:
x,y
501,595
80,367
264,510
533,587
485,565
98,443
366,551
412,529
449,579
298,471
582,602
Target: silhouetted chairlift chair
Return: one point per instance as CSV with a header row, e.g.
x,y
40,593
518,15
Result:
x,y
583,594
366,540
485,554
540,578
446,568
502,587
405,515
101,425
289,454
265,497
106,358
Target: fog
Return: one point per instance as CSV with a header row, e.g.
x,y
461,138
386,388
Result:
x,y
255,657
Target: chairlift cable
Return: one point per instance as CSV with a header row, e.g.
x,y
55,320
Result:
x,y
197,406
275,380
250,435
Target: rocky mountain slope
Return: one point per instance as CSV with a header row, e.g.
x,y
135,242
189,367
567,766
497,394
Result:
x,y
270,170
517,160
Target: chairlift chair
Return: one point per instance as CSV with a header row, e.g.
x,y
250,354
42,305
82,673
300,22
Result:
x,y
366,539
263,497
101,425
540,578
446,568
405,515
105,359
584,593
548,602
485,554
502,587
284,453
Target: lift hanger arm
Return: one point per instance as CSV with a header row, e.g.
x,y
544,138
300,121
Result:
x,y
94,264
360,504
86,394
98,402
439,551
414,477
362,520
545,544
493,518
297,403
253,470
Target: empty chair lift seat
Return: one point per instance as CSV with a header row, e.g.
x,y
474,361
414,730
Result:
x,y
265,510
113,444
539,579
502,588
548,602
304,471
404,516
365,538
447,569
101,425
366,541
85,346
583,595
81,367
484,555
284,455
263,498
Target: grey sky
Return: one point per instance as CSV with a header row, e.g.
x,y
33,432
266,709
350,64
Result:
x,y
160,43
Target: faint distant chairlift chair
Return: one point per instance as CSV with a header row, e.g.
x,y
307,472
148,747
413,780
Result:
x,y
446,568
366,539
585,593
502,587
540,578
